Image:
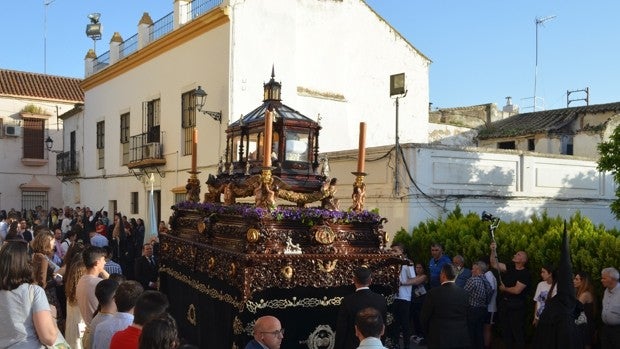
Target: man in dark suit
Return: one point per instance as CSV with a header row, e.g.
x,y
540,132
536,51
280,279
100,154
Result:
x,y
444,313
352,304
268,333
146,268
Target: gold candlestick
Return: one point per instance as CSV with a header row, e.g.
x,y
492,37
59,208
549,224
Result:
x,y
264,196
193,187
359,192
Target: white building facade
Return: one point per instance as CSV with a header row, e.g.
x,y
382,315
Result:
x,y
30,105
333,58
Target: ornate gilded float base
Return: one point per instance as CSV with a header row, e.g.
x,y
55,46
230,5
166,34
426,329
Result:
x,y
234,269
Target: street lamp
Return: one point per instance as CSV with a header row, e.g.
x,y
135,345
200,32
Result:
x,y
200,97
398,89
49,143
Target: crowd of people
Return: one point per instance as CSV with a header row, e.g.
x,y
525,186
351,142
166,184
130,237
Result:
x,y
456,307
453,306
73,278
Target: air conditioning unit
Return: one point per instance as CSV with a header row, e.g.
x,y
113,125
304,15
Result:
x,y
12,131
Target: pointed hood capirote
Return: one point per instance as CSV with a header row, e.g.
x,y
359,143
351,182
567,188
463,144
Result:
x,y
556,327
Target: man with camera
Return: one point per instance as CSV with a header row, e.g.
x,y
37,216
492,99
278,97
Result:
x,y
514,281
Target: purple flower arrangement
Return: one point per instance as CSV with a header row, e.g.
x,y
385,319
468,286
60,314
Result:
x,y
306,215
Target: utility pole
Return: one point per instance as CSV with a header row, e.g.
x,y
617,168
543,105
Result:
x,y
539,21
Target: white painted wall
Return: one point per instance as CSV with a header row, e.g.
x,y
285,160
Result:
x,y
329,47
332,47
511,184
12,171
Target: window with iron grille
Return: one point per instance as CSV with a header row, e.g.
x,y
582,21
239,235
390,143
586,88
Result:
x,y
134,202
188,120
101,144
179,197
125,137
32,199
34,130
150,120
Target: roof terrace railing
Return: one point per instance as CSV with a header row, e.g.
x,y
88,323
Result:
x,y
161,27
198,7
128,46
157,30
101,62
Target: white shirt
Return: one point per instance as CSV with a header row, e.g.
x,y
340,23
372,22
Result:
x,y
542,295
611,306
492,306
404,291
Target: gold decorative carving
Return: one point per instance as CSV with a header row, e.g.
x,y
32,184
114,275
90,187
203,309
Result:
x,y
359,193
287,272
201,227
324,235
233,270
327,266
252,235
211,263
191,314
238,326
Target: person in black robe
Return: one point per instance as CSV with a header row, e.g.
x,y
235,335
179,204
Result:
x,y
556,326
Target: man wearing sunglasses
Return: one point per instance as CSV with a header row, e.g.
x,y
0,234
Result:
x,y
268,334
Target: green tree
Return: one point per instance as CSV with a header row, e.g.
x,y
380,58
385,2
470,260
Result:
x,y
610,161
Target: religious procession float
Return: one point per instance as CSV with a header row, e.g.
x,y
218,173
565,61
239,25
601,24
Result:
x,y
225,263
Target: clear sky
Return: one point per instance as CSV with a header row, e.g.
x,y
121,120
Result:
x,y
482,50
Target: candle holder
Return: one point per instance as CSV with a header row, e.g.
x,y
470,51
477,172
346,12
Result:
x,y
264,196
193,187
359,192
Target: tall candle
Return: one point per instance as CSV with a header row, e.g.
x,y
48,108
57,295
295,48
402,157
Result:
x,y
194,149
267,138
361,156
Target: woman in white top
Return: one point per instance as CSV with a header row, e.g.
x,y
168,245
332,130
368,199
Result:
x,y
75,325
545,290
26,320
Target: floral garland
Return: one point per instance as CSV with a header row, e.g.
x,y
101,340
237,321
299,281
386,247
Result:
x,y
307,215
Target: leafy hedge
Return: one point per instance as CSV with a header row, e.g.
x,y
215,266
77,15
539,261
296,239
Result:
x,y
592,247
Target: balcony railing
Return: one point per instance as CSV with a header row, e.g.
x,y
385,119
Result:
x,y
143,153
67,164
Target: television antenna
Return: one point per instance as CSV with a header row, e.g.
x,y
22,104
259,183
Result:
x,y
539,21
46,4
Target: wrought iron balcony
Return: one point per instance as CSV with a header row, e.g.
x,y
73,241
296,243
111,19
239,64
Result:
x,y
145,150
67,164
